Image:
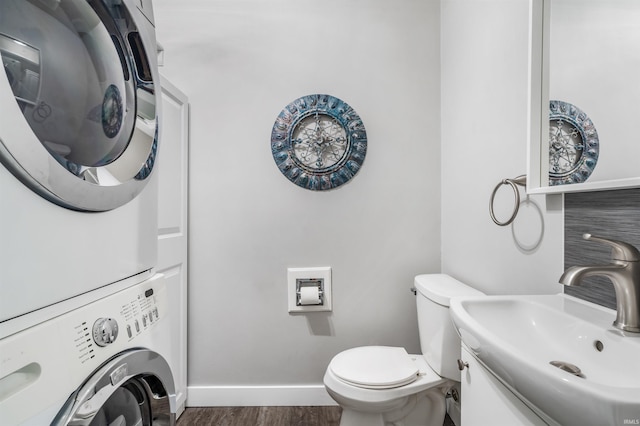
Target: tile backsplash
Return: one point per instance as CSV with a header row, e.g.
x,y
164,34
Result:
x,y
610,214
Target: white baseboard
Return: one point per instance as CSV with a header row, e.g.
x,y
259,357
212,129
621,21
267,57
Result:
x,y
258,396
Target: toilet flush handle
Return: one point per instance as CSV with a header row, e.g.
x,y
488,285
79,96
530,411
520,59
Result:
x,y
462,364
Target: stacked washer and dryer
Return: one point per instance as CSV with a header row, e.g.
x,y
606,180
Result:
x,y
84,319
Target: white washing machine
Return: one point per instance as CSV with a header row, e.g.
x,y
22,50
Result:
x,y
107,363
79,118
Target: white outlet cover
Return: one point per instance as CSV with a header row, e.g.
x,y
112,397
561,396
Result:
x,y
293,274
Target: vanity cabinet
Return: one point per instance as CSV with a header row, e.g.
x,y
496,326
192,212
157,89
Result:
x,y
486,401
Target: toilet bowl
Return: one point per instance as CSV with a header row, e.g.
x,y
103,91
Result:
x,y
378,401
384,385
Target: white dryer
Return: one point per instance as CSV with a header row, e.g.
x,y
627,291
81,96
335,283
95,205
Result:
x,y
107,363
79,118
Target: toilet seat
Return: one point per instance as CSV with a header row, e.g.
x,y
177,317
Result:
x,y
375,367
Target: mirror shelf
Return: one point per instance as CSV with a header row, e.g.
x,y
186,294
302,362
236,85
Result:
x,y
603,185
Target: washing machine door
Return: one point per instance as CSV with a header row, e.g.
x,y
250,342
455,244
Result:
x,y
78,102
135,388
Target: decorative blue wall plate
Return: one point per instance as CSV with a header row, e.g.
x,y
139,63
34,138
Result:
x,y
318,142
573,144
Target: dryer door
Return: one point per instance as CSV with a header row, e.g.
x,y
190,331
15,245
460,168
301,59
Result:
x,y
79,122
135,388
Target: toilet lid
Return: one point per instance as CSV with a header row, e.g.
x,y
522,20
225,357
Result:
x,y
375,367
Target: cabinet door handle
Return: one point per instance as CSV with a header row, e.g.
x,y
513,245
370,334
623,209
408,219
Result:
x,y
462,365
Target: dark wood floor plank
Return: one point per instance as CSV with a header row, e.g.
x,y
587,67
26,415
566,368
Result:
x,y
265,416
260,416
219,416
276,416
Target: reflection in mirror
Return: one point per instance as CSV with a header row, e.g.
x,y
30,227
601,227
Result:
x,y
593,59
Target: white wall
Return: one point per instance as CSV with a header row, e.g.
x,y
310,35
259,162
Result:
x,y
241,63
484,134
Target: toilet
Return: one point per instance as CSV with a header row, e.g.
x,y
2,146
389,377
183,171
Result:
x,y
384,385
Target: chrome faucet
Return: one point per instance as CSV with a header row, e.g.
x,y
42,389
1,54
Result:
x,y
624,273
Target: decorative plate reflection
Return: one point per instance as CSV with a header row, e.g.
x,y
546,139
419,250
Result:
x,y
573,144
318,142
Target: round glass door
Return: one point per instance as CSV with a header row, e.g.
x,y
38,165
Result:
x,y
127,406
135,388
82,124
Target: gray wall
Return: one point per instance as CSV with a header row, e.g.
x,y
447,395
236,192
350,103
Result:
x,y
484,140
241,63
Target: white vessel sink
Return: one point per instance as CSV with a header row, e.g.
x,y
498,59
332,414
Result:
x,y
517,338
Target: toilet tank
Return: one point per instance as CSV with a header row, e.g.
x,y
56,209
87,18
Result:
x,y
439,341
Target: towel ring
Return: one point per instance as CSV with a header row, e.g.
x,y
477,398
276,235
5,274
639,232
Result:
x,y
519,180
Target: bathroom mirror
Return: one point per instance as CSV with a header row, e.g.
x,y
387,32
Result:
x,y
585,59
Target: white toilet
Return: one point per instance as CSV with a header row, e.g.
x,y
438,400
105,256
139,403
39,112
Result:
x,y
383,386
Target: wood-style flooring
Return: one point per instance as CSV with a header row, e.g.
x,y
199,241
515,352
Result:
x,y
265,416
261,416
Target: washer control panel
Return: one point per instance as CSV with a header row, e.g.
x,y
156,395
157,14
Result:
x,y
129,315
140,313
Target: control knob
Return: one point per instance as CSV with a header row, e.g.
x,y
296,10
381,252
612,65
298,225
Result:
x,y
105,331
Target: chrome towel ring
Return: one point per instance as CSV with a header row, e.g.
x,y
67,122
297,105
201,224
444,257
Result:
x,y
519,180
